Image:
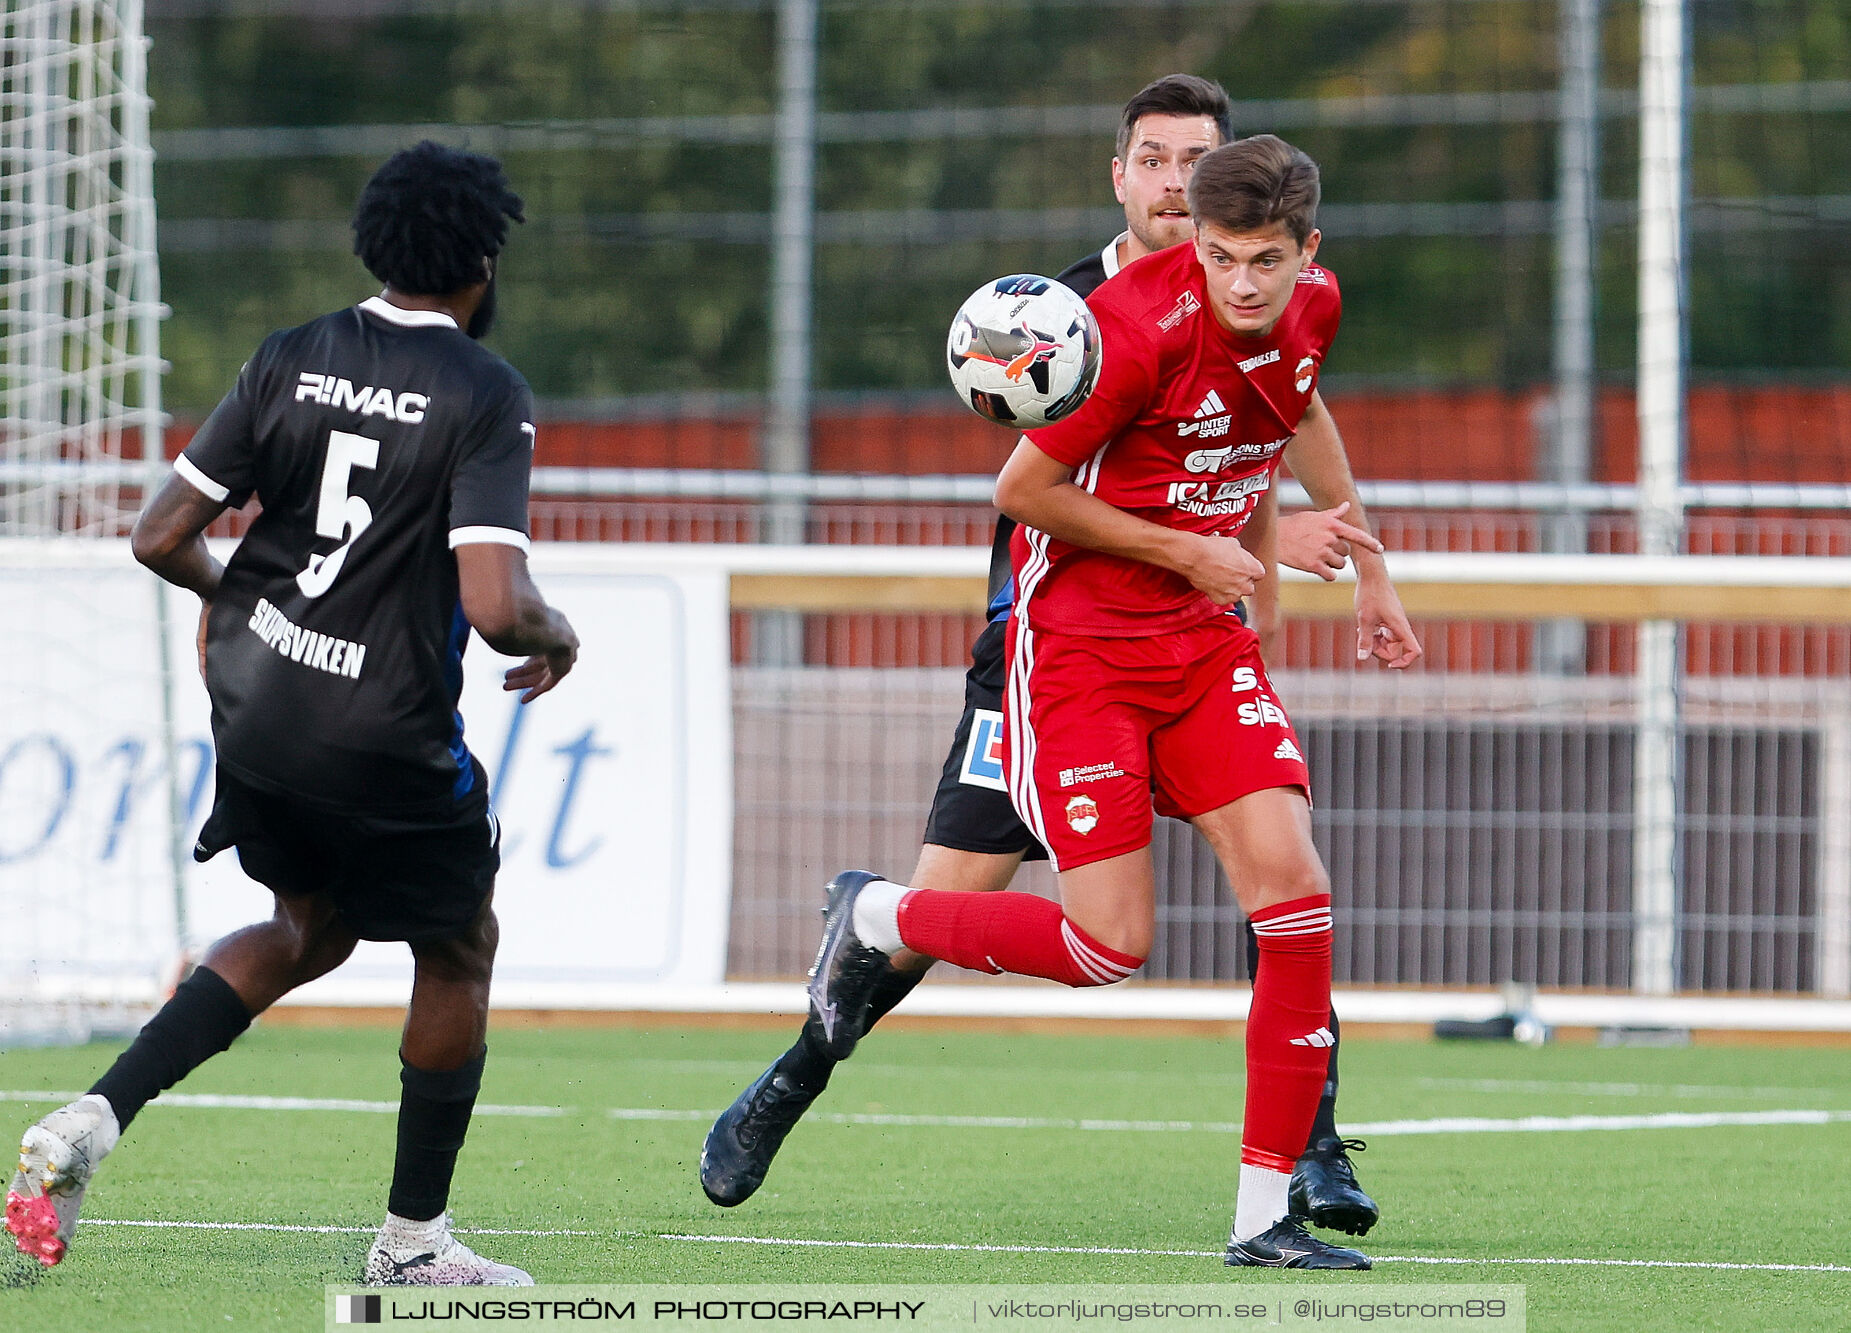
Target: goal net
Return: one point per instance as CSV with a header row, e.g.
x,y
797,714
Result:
x,y
86,782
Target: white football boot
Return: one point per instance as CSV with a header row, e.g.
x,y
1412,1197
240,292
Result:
x,y
57,1157
426,1254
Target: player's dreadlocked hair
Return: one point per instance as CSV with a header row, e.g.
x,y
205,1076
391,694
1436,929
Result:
x,y
1254,184
429,217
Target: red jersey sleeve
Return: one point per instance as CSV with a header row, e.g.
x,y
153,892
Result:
x,y
1127,381
1324,306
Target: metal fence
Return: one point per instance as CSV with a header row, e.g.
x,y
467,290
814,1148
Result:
x,y
1478,828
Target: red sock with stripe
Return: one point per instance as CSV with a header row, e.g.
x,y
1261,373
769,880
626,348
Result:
x,y
1009,932
1288,1045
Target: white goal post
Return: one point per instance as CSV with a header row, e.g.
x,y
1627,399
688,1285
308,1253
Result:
x,y
80,380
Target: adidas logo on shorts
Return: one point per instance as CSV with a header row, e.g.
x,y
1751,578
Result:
x,y
1321,1037
1287,750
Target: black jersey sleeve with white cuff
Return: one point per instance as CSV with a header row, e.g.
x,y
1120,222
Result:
x,y
219,460
334,647
488,495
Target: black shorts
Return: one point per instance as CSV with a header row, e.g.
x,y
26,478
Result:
x,y
971,810
409,878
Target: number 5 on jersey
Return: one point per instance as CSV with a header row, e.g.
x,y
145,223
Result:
x,y
339,515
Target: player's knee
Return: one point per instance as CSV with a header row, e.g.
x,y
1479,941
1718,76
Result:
x,y
485,935
1078,977
1289,884
303,929
1310,882
468,956
1088,962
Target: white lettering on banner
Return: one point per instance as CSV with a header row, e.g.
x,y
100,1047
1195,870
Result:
x,y
614,791
338,657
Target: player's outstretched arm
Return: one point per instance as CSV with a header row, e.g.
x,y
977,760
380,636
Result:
x,y
1317,458
507,610
170,537
1037,490
1319,542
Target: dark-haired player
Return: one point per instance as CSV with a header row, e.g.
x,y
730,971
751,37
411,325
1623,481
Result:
x,y
974,840
391,453
1130,675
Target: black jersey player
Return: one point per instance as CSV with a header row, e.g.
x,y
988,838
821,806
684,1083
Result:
x,y
390,451
974,839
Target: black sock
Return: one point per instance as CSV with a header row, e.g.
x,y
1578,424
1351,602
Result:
x,y
808,1062
433,1118
894,985
204,1016
1324,1124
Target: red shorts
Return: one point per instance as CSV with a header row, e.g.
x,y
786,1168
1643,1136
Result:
x,y
1095,728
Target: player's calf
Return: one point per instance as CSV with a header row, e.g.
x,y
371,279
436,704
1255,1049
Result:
x,y
998,932
1287,1046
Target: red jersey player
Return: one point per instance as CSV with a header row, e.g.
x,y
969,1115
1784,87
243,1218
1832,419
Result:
x,y
1129,676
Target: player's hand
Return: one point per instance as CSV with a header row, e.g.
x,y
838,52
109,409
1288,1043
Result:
x,y
1318,541
1223,570
205,614
1382,629
540,673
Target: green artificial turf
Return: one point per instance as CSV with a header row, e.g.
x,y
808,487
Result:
x,y
1733,1194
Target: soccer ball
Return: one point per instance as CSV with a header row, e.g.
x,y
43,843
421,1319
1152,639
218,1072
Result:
x,y
1024,351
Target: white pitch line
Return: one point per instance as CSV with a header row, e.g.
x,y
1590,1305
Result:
x,y
930,1245
968,1248
1620,1089
1533,1124
1622,1263
317,1230
213,1101
1578,1124
1216,1254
